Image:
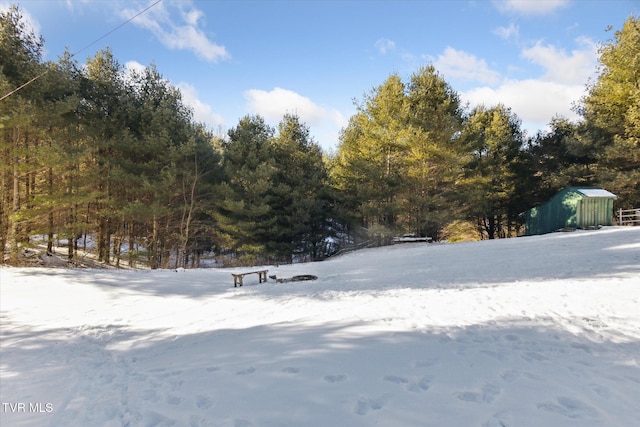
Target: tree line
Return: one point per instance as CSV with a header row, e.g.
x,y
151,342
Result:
x,y
100,158
414,158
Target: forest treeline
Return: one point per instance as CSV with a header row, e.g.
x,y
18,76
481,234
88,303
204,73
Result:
x,y
100,158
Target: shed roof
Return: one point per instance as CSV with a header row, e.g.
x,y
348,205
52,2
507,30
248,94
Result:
x,y
595,192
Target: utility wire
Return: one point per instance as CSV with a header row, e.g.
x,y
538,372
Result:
x,y
83,49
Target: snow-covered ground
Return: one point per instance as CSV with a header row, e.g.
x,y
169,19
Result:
x,y
533,331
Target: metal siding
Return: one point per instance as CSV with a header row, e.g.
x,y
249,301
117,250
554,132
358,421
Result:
x,y
569,208
568,214
595,211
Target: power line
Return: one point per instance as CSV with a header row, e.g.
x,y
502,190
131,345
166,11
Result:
x,y
83,49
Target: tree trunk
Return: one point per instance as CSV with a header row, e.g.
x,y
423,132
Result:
x,y
103,253
130,226
153,247
3,216
117,247
14,228
491,227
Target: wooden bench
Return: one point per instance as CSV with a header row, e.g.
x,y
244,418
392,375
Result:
x,y
237,278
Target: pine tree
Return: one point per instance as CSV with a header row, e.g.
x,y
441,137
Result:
x,y
494,140
244,215
433,158
298,196
20,62
612,115
398,160
371,161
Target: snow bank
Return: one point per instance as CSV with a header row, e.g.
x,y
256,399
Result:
x,y
541,330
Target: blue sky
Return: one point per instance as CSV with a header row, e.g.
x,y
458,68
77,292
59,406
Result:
x,y
313,58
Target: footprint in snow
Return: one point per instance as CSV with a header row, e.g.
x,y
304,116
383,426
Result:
x,y
421,385
176,385
601,390
533,356
469,396
365,405
571,408
152,418
512,337
212,369
203,402
291,370
500,419
173,400
247,371
335,378
490,392
510,375
107,378
396,379
487,394
199,421
150,395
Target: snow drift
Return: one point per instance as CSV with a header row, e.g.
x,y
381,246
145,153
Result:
x,y
541,330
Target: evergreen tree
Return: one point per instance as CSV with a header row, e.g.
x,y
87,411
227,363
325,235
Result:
x,y
298,195
161,134
398,160
20,50
21,130
434,151
104,119
612,115
244,215
490,186
371,160
560,160
59,154
88,151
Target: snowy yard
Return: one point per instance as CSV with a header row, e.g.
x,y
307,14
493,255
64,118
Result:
x,y
533,331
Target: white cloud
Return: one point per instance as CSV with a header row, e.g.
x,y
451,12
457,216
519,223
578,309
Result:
x,y
202,112
325,123
134,67
459,64
31,24
535,101
181,31
512,32
530,7
574,68
552,92
385,45
273,105
192,16
71,4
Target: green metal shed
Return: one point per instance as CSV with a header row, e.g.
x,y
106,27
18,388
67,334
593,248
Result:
x,y
573,207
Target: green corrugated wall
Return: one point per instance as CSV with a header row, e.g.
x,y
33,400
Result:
x,y
595,211
569,208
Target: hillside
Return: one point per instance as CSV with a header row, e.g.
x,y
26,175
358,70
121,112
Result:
x,y
541,330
